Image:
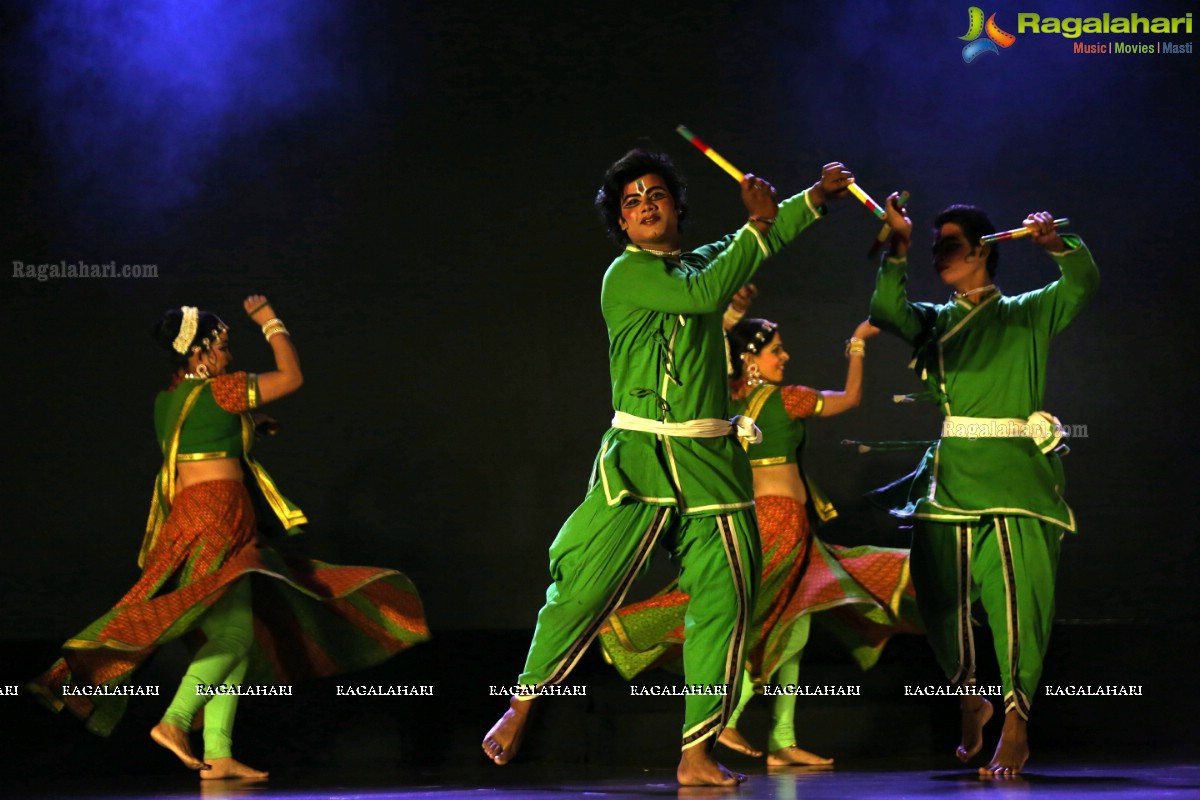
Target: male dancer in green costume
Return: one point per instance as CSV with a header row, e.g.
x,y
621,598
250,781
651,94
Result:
x,y
987,498
669,467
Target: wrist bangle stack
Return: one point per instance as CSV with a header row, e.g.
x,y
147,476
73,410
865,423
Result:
x,y
733,316
273,327
855,347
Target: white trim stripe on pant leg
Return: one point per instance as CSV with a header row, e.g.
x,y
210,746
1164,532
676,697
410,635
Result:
x,y
1017,699
966,636
736,652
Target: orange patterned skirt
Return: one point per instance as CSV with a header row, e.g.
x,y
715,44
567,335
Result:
x,y
311,619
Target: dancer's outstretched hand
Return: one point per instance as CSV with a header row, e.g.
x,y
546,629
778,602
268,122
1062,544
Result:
x,y
258,308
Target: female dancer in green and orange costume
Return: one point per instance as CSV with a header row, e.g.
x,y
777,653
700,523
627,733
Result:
x,y
259,617
859,590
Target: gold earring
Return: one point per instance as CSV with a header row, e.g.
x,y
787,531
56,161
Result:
x,y
753,375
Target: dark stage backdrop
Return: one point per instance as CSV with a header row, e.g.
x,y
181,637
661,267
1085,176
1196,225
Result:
x,y
411,185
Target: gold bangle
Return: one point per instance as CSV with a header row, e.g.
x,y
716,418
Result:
x,y
273,327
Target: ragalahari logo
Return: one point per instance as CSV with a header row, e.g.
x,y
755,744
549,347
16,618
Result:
x,y
995,36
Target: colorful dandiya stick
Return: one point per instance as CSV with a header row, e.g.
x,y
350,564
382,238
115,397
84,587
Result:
x,y
866,199
1018,233
886,230
708,151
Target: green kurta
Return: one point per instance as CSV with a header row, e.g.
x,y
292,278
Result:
x,y
667,361
985,360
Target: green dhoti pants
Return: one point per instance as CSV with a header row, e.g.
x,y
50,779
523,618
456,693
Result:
x,y
599,552
1006,562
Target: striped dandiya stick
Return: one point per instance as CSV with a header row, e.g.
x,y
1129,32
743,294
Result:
x,y
866,199
713,154
886,230
1018,233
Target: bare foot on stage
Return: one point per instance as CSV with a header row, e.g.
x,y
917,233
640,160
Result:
x,y
793,756
698,768
976,711
175,739
736,742
1012,751
504,739
231,768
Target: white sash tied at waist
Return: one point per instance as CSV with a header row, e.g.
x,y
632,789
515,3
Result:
x,y
1042,426
693,429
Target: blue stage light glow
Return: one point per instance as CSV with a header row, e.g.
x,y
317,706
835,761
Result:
x,y
140,97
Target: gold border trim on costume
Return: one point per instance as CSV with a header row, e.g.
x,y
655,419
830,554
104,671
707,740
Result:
x,y
288,514
958,515
164,487
820,405
898,594
612,501
201,456
762,243
821,504
978,306
718,507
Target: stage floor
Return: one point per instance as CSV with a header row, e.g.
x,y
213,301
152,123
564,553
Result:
x,y
319,745
892,779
